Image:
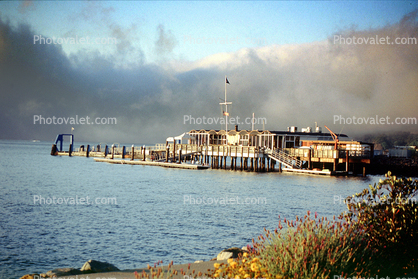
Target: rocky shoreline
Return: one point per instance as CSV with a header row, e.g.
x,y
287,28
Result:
x,y
96,267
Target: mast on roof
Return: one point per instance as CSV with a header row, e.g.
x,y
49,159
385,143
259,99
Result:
x,y
226,113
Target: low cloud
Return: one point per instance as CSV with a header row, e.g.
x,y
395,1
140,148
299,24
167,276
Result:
x,y
289,85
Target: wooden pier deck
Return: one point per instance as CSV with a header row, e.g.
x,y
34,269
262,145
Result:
x,y
231,157
153,163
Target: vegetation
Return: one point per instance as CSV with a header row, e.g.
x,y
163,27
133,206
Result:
x,y
392,139
375,237
387,215
157,272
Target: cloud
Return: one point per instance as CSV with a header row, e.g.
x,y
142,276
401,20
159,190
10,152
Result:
x,y
289,85
166,41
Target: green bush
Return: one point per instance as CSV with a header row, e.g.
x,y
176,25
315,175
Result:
x,y
386,214
314,248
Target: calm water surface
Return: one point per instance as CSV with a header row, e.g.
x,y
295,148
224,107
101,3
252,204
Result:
x,y
143,213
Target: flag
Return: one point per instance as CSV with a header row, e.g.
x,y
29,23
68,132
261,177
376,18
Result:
x,y
226,80
226,113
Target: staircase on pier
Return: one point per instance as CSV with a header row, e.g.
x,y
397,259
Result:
x,y
286,159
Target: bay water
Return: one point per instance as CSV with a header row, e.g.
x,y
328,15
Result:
x,y
62,211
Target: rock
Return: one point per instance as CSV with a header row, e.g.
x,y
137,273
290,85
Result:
x,y
30,276
59,272
96,266
230,253
245,248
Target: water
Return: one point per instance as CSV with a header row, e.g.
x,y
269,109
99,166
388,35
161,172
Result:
x,y
145,213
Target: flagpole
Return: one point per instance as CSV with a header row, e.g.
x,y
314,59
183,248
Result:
x,y
226,115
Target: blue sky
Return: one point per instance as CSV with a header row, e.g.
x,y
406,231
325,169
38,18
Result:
x,y
202,28
171,57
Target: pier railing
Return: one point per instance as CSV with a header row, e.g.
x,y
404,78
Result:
x,y
286,159
222,150
216,150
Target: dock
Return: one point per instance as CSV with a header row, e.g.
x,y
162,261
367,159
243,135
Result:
x,y
307,152
152,163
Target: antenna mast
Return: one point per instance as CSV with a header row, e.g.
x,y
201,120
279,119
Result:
x,y
226,113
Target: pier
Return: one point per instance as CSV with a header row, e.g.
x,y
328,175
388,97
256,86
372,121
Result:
x,y
202,152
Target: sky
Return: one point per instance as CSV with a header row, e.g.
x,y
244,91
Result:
x,y
159,67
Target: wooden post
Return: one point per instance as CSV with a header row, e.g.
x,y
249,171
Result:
x,y
364,171
87,150
123,151
70,150
105,151
54,150
309,159
167,152
132,152
113,151
335,165
252,164
180,155
174,152
347,160
144,153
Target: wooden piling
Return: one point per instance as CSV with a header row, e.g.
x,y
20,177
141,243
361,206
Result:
x,y
70,150
123,151
309,159
347,160
132,153
54,150
87,150
174,152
